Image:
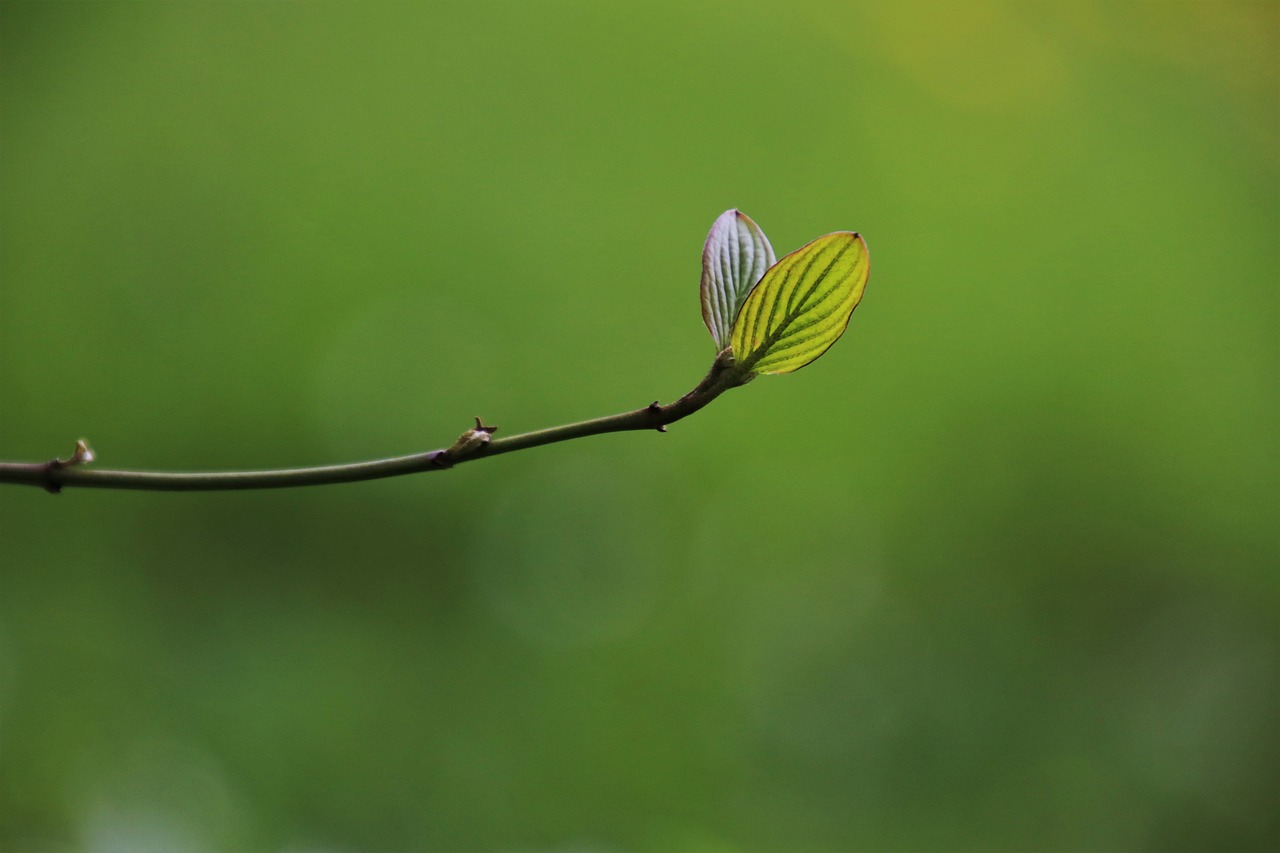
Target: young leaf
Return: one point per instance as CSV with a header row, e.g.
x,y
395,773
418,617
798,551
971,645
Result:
x,y
734,258
802,305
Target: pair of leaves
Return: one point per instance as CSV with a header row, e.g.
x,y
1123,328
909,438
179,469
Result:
x,y
778,316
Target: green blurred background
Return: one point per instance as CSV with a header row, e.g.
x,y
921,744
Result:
x,y
1000,572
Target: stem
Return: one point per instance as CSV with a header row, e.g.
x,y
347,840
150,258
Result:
x,y
56,474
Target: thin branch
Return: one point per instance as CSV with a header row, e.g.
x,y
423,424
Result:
x,y
57,474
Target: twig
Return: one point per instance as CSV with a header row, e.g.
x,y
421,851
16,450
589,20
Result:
x,y
58,474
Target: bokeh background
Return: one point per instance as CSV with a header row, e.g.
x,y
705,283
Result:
x,y
1000,572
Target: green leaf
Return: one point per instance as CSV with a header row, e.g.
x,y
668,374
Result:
x,y
802,305
734,258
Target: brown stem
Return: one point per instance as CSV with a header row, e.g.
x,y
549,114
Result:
x,y
58,474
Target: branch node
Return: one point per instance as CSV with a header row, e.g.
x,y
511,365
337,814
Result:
x,y
655,409
51,485
82,455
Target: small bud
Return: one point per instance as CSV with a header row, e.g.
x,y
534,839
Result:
x,y
471,441
82,455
